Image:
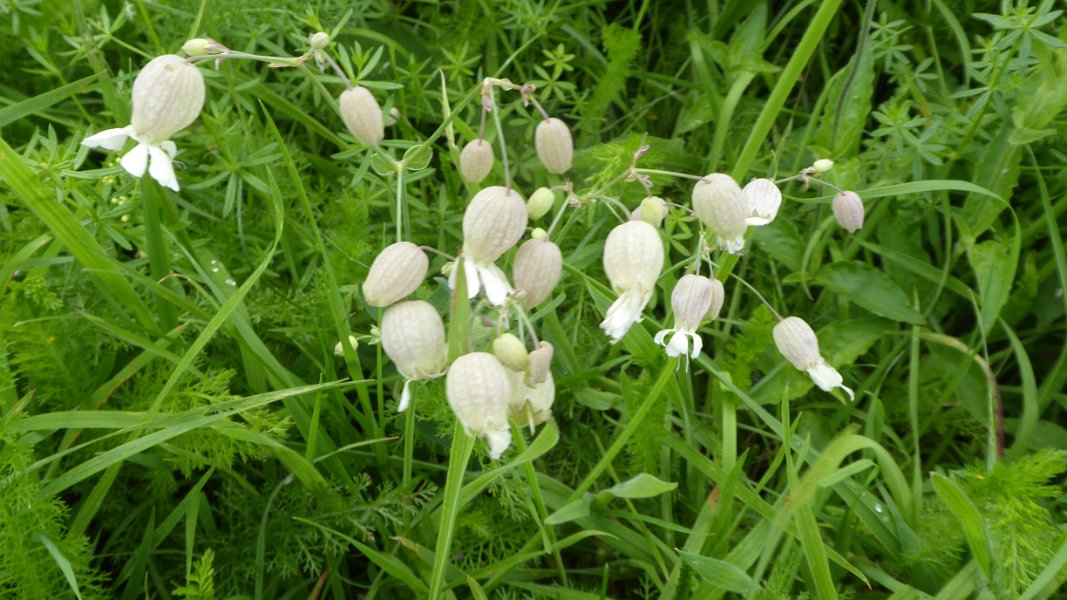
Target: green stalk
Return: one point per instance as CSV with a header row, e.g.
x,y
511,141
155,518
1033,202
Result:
x,y
158,257
409,443
462,444
539,503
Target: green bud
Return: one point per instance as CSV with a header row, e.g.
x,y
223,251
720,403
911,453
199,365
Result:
x,y
540,202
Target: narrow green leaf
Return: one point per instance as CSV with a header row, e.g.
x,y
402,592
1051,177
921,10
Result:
x,y
974,527
641,486
870,288
719,573
64,564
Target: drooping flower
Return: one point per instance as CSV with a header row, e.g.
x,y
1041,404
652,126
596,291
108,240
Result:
x,y
168,95
848,210
718,203
396,272
633,259
555,147
362,115
413,337
476,160
493,223
478,390
762,200
536,270
691,299
797,342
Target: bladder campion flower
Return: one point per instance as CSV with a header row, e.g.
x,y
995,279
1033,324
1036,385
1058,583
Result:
x,y
718,203
762,200
362,115
493,223
168,95
691,301
413,336
797,343
554,145
476,160
536,270
395,273
848,210
478,390
633,259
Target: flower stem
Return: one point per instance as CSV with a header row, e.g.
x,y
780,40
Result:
x,y
500,138
399,204
462,444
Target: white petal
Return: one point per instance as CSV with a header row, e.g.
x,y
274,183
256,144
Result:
x,y
624,313
827,378
136,161
169,147
678,345
405,397
111,139
498,442
698,345
757,221
471,272
661,335
735,245
497,288
161,168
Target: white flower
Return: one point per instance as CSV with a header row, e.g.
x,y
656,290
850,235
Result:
x,y
718,203
762,200
797,343
493,223
413,337
691,300
478,390
633,259
168,94
848,210
396,272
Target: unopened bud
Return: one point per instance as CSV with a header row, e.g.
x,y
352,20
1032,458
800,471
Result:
x,y
538,234
762,200
362,115
718,204
199,47
536,270
540,202
395,273
511,352
848,210
319,40
478,391
718,297
393,117
476,160
555,147
339,349
652,210
493,222
823,165
541,363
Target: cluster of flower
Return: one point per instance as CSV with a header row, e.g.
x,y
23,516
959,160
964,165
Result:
x,y
512,383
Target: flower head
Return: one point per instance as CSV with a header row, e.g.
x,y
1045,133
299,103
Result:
x,y
478,390
762,200
168,95
555,147
718,203
413,337
633,259
691,300
396,272
362,115
476,160
797,342
848,210
536,270
493,223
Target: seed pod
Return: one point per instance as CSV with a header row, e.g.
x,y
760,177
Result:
x,y
797,342
652,211
555,147
478,391
718,296
395,273
848,210
540,202
633,256
168,94
476,160
362,115
413,336
493,223
540,363
691,300
762,200
511,352
718,203
536,270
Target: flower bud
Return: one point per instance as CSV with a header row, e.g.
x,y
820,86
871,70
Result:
x,y
395,273
690,301
476,160
541,363
478,390
362,115
823,165
339,349
199,47
848,210
718,296
413,336
511,352
555,147
652,210
536,270
796,341
319,40
493,223
392,117
168,94
633,256
538,234
762,199
540,202
719,204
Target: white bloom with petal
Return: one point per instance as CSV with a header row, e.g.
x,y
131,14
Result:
x,y
718,203
168,95
797,342
479,392
413,337
762,200
633,260
691,300
494,221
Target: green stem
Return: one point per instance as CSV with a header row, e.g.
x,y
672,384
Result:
x,y
729,431
462,444
539,503
500,139
158,257
399,205
409,443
